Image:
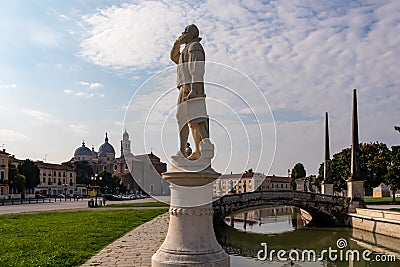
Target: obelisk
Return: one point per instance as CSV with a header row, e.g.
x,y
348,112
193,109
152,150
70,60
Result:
x,y
355,184
327,184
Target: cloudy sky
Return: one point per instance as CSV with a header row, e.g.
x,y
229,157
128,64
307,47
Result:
x,y
69,70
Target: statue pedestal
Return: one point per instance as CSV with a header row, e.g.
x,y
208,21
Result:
x,y
327,189
355,191
190,240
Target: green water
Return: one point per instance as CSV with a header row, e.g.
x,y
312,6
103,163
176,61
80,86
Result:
x,y
283,228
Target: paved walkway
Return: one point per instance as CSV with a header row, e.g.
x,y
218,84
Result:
x,y
60,205
135,248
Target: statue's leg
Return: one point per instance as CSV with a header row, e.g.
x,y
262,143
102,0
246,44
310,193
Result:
x,y
203,130
197,138
183,136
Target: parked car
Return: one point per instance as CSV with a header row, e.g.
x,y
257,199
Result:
x,y
60,196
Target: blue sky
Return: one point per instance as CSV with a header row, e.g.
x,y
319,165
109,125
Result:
x,y
70,68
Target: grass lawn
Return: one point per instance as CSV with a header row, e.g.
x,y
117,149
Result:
x,y
145,204
379,200
64,238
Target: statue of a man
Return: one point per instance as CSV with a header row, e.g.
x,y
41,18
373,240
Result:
x,y
191,110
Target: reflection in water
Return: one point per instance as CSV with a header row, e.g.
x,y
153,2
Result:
x,y
283,228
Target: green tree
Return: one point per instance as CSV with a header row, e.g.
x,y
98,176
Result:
x,y
374,159
110,183
298,171
374,162
83,171
392,178
31,172
18,183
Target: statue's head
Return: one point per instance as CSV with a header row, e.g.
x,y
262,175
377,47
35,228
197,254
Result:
x,y
191,32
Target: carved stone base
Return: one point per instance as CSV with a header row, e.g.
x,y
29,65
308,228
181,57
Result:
x,y
355,191
327,189
190,240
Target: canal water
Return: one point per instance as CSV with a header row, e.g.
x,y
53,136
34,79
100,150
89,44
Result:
x,y
279,236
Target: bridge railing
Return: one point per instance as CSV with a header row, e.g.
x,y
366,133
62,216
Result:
x,y
280,194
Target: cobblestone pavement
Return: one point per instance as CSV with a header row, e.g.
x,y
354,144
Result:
x,y
135,248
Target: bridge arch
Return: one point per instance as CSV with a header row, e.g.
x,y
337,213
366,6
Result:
x,y
324,209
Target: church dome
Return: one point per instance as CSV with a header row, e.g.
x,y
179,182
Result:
x,y
106,148
82,151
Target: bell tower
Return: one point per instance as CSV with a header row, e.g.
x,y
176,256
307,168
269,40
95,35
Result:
x,y
125,144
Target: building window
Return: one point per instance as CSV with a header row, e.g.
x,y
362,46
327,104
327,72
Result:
x,y
105,168
55,173
44,174
59,174
1,175
44,180
70,174
63,174
115,167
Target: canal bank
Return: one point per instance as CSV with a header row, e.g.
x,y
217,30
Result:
x,y
376,221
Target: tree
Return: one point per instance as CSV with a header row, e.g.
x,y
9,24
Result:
x,y
374,162
374,159
83,171
16,181
298,171
19,182
392,177
31,172
110,183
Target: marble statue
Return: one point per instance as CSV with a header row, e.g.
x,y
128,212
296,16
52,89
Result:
x,y
191,108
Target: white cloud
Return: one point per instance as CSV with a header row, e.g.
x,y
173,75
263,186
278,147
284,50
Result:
x,y
68,91
9,86
80,129
305,56
83,94
94,85
7,135
40,116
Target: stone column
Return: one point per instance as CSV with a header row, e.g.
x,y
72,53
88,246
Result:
x,y
190,240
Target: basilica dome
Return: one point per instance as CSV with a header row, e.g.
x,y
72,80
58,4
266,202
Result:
x,y
82,151
106,148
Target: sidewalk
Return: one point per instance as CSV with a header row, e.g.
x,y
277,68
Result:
x,y
135,248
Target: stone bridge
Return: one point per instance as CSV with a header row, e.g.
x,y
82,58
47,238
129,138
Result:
x,y
324,209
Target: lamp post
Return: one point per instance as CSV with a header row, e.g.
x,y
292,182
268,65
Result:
x,y
96,178
65,190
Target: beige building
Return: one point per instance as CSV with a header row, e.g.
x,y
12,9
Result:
x,y
56,179
4,156
249,182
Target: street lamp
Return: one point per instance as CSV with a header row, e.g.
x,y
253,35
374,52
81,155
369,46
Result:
x,y
96,178
65,190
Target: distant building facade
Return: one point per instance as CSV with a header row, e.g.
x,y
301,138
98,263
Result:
x,y
248,182
56,179
4,158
